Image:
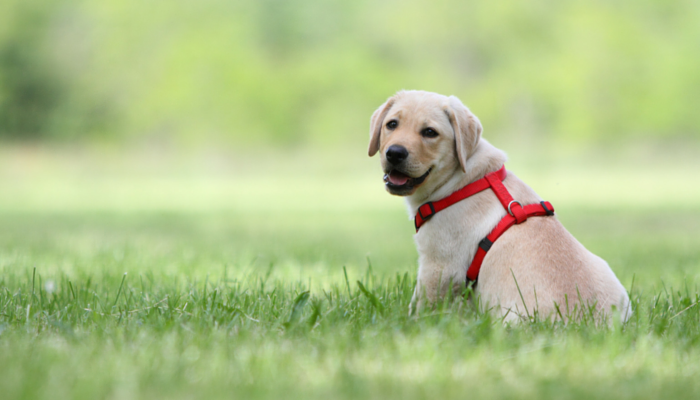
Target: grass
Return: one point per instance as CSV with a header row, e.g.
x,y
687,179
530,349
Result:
x,y
263,296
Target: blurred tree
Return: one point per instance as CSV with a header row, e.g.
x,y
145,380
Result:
x,y
47,84
30,87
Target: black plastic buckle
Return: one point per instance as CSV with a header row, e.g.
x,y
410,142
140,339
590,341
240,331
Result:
x,y
546,210
485,244
424,217
432,211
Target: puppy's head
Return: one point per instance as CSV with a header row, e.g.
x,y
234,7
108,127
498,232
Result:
x,y
423,139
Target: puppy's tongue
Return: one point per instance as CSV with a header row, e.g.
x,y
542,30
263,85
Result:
x,y
397,178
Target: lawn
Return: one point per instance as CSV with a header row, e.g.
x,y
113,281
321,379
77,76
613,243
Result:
x,y
145,275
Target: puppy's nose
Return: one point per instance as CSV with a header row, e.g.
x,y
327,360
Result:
x,y
395,154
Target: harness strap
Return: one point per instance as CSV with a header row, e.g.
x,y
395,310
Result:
x,y
427,210
513,207
516,212
532,210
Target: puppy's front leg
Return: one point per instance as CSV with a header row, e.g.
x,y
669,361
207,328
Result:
x,y
419,300
432,286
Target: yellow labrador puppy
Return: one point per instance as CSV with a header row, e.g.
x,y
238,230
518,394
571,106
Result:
x,y
431,147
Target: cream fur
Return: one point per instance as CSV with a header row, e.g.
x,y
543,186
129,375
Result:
x,y
549,264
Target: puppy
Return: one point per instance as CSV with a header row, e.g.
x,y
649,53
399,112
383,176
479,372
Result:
x,y
430,147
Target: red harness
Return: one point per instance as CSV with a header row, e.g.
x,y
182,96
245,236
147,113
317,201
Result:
x,y
517,213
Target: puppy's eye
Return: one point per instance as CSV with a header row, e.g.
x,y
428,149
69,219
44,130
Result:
x,y
429,133
391,125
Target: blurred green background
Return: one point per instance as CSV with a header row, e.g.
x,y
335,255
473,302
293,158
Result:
x,y
274,72
194,142
254,115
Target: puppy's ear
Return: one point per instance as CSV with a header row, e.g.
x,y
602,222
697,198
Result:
x,y
375,125
467,129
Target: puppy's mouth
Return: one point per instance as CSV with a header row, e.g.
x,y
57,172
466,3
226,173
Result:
x,y
399,183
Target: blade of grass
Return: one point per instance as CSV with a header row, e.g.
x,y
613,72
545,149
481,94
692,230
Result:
x,y
120,290
347,281
33,278
297,308
372,298
521,294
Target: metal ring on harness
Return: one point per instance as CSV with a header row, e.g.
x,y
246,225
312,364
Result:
x,y
511,204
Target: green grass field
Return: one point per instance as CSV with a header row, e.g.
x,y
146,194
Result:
x,y
235,284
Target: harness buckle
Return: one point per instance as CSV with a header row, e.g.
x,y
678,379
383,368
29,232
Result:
x,y
511,205
547,211
485,244
427,216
